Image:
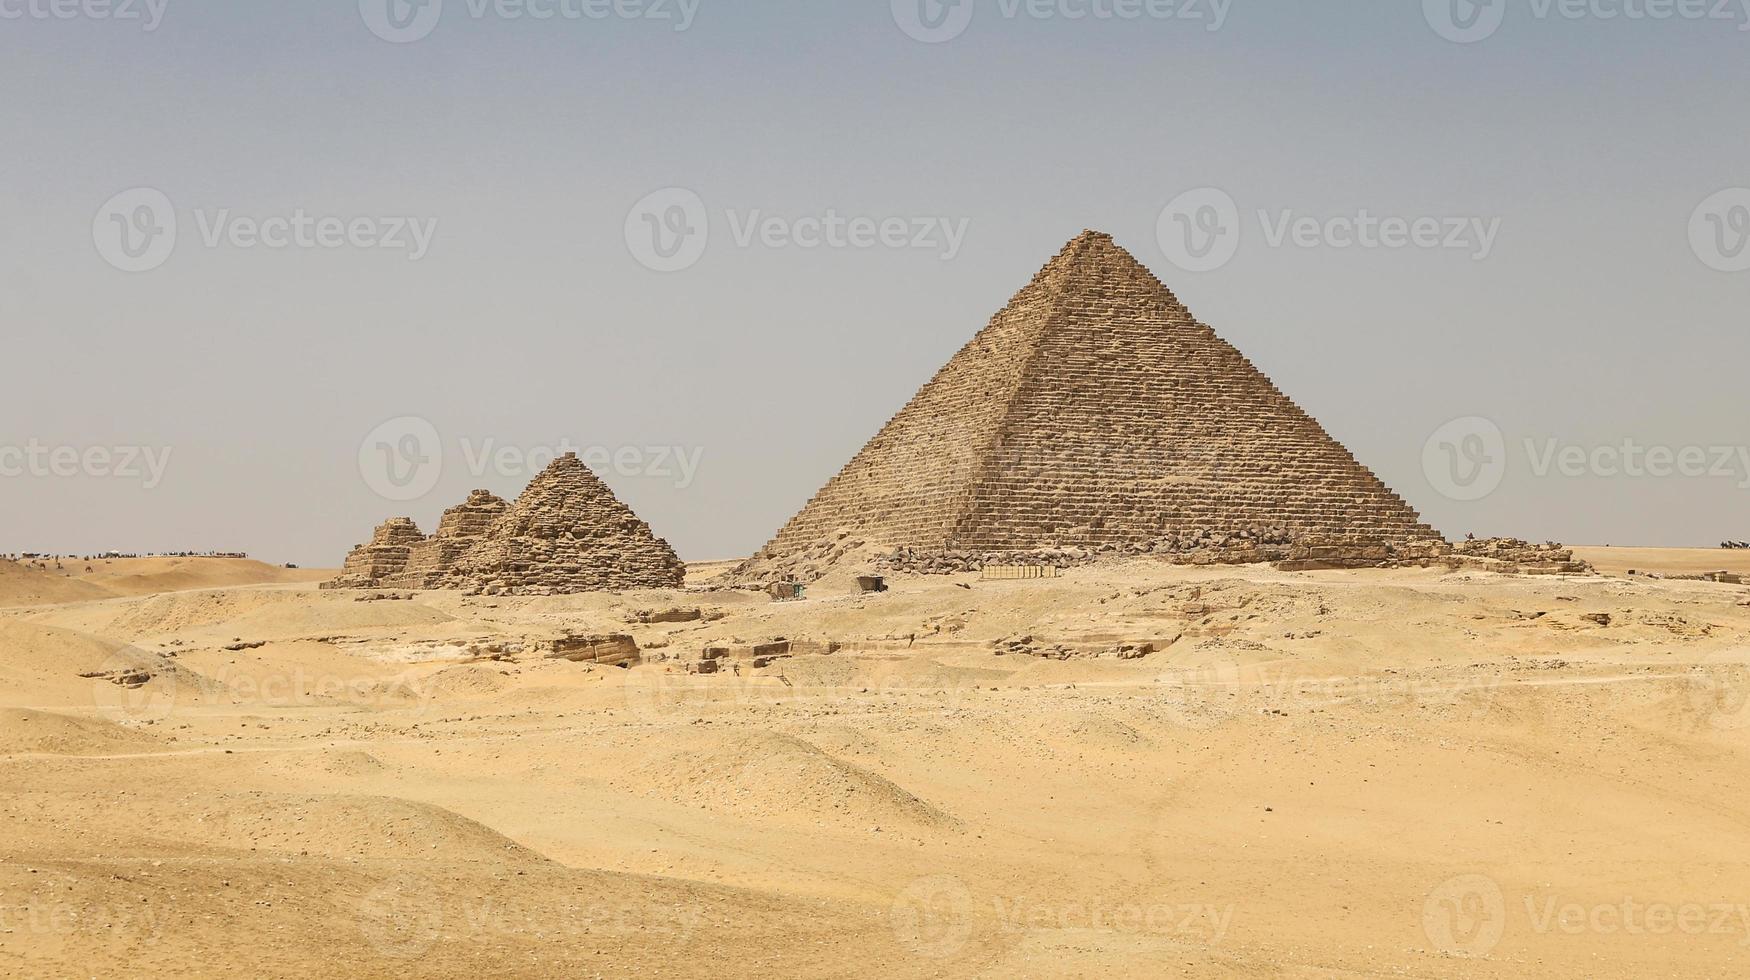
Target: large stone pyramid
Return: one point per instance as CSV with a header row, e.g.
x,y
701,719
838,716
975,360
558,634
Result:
x,y
1096,411
568,533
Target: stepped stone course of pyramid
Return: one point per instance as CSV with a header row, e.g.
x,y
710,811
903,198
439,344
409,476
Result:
x,y
433,561
1095,412
566,533
381,559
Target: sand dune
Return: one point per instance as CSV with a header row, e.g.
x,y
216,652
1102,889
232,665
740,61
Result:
x,y
984,779
73,580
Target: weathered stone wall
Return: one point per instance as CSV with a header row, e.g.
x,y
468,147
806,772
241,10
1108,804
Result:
x,y
433,561
1096,411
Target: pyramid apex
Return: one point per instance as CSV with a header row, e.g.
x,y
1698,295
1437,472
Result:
x,y
1088,250
1092,241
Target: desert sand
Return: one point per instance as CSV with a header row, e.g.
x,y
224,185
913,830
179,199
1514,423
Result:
x,y
1407,772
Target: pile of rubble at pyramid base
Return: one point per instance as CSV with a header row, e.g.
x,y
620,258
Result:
x,y
1250,546
1550,558
844,555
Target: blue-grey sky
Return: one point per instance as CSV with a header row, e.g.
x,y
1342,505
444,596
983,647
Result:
x,y
1592,169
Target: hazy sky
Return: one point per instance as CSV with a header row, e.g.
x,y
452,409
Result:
x,y
468,222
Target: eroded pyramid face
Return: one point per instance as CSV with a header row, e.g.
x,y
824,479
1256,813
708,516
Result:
x,y
568,533
1094,409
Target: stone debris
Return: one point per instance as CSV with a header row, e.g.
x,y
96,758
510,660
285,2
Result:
x,y
567,533
613,650
1512,556
1243,547
1093,413
130,677
653,616
1027,646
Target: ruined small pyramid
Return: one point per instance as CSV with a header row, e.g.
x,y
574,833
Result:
x,y
382,558
431,563
1093,411
567,533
